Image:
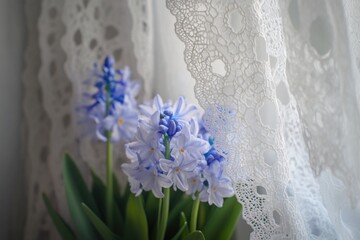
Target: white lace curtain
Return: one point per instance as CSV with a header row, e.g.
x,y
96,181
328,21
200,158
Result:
x,y
278,80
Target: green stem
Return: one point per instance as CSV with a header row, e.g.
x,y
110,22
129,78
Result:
x,y
165,202
109,166
167,146
194,214
109,181
164,213
158,218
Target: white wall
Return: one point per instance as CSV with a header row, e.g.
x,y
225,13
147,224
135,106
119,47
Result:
x,y
12,31
172,79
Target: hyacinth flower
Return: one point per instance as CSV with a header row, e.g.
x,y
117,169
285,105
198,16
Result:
x,y
122,124
170,151
113,107
216,185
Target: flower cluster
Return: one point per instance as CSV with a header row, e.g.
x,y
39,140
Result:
x,y
171,151
112,104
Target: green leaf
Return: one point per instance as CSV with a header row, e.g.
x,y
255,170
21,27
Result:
x,y
226,217
123,199
76,193
151,209
135,222
181,230
100,226
118,220
98,191
60,224
197,235
119,208
116,189
184,203
175,195
183,222
203,211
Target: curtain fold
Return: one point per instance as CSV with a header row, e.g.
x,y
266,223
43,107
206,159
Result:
x,y
278,81
279,84
66,38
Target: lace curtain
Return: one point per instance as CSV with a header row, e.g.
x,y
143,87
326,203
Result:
x,y
65,39
278,80
281,79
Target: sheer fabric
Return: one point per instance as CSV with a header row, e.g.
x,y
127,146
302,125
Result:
x,y
66,38
279,84
278,80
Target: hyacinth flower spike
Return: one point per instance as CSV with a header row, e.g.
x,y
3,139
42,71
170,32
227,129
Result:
x,y
113,108
169,151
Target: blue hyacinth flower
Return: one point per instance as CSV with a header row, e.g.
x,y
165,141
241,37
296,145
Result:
x,y
112,103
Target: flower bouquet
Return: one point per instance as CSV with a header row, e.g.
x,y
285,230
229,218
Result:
x,y
177,182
